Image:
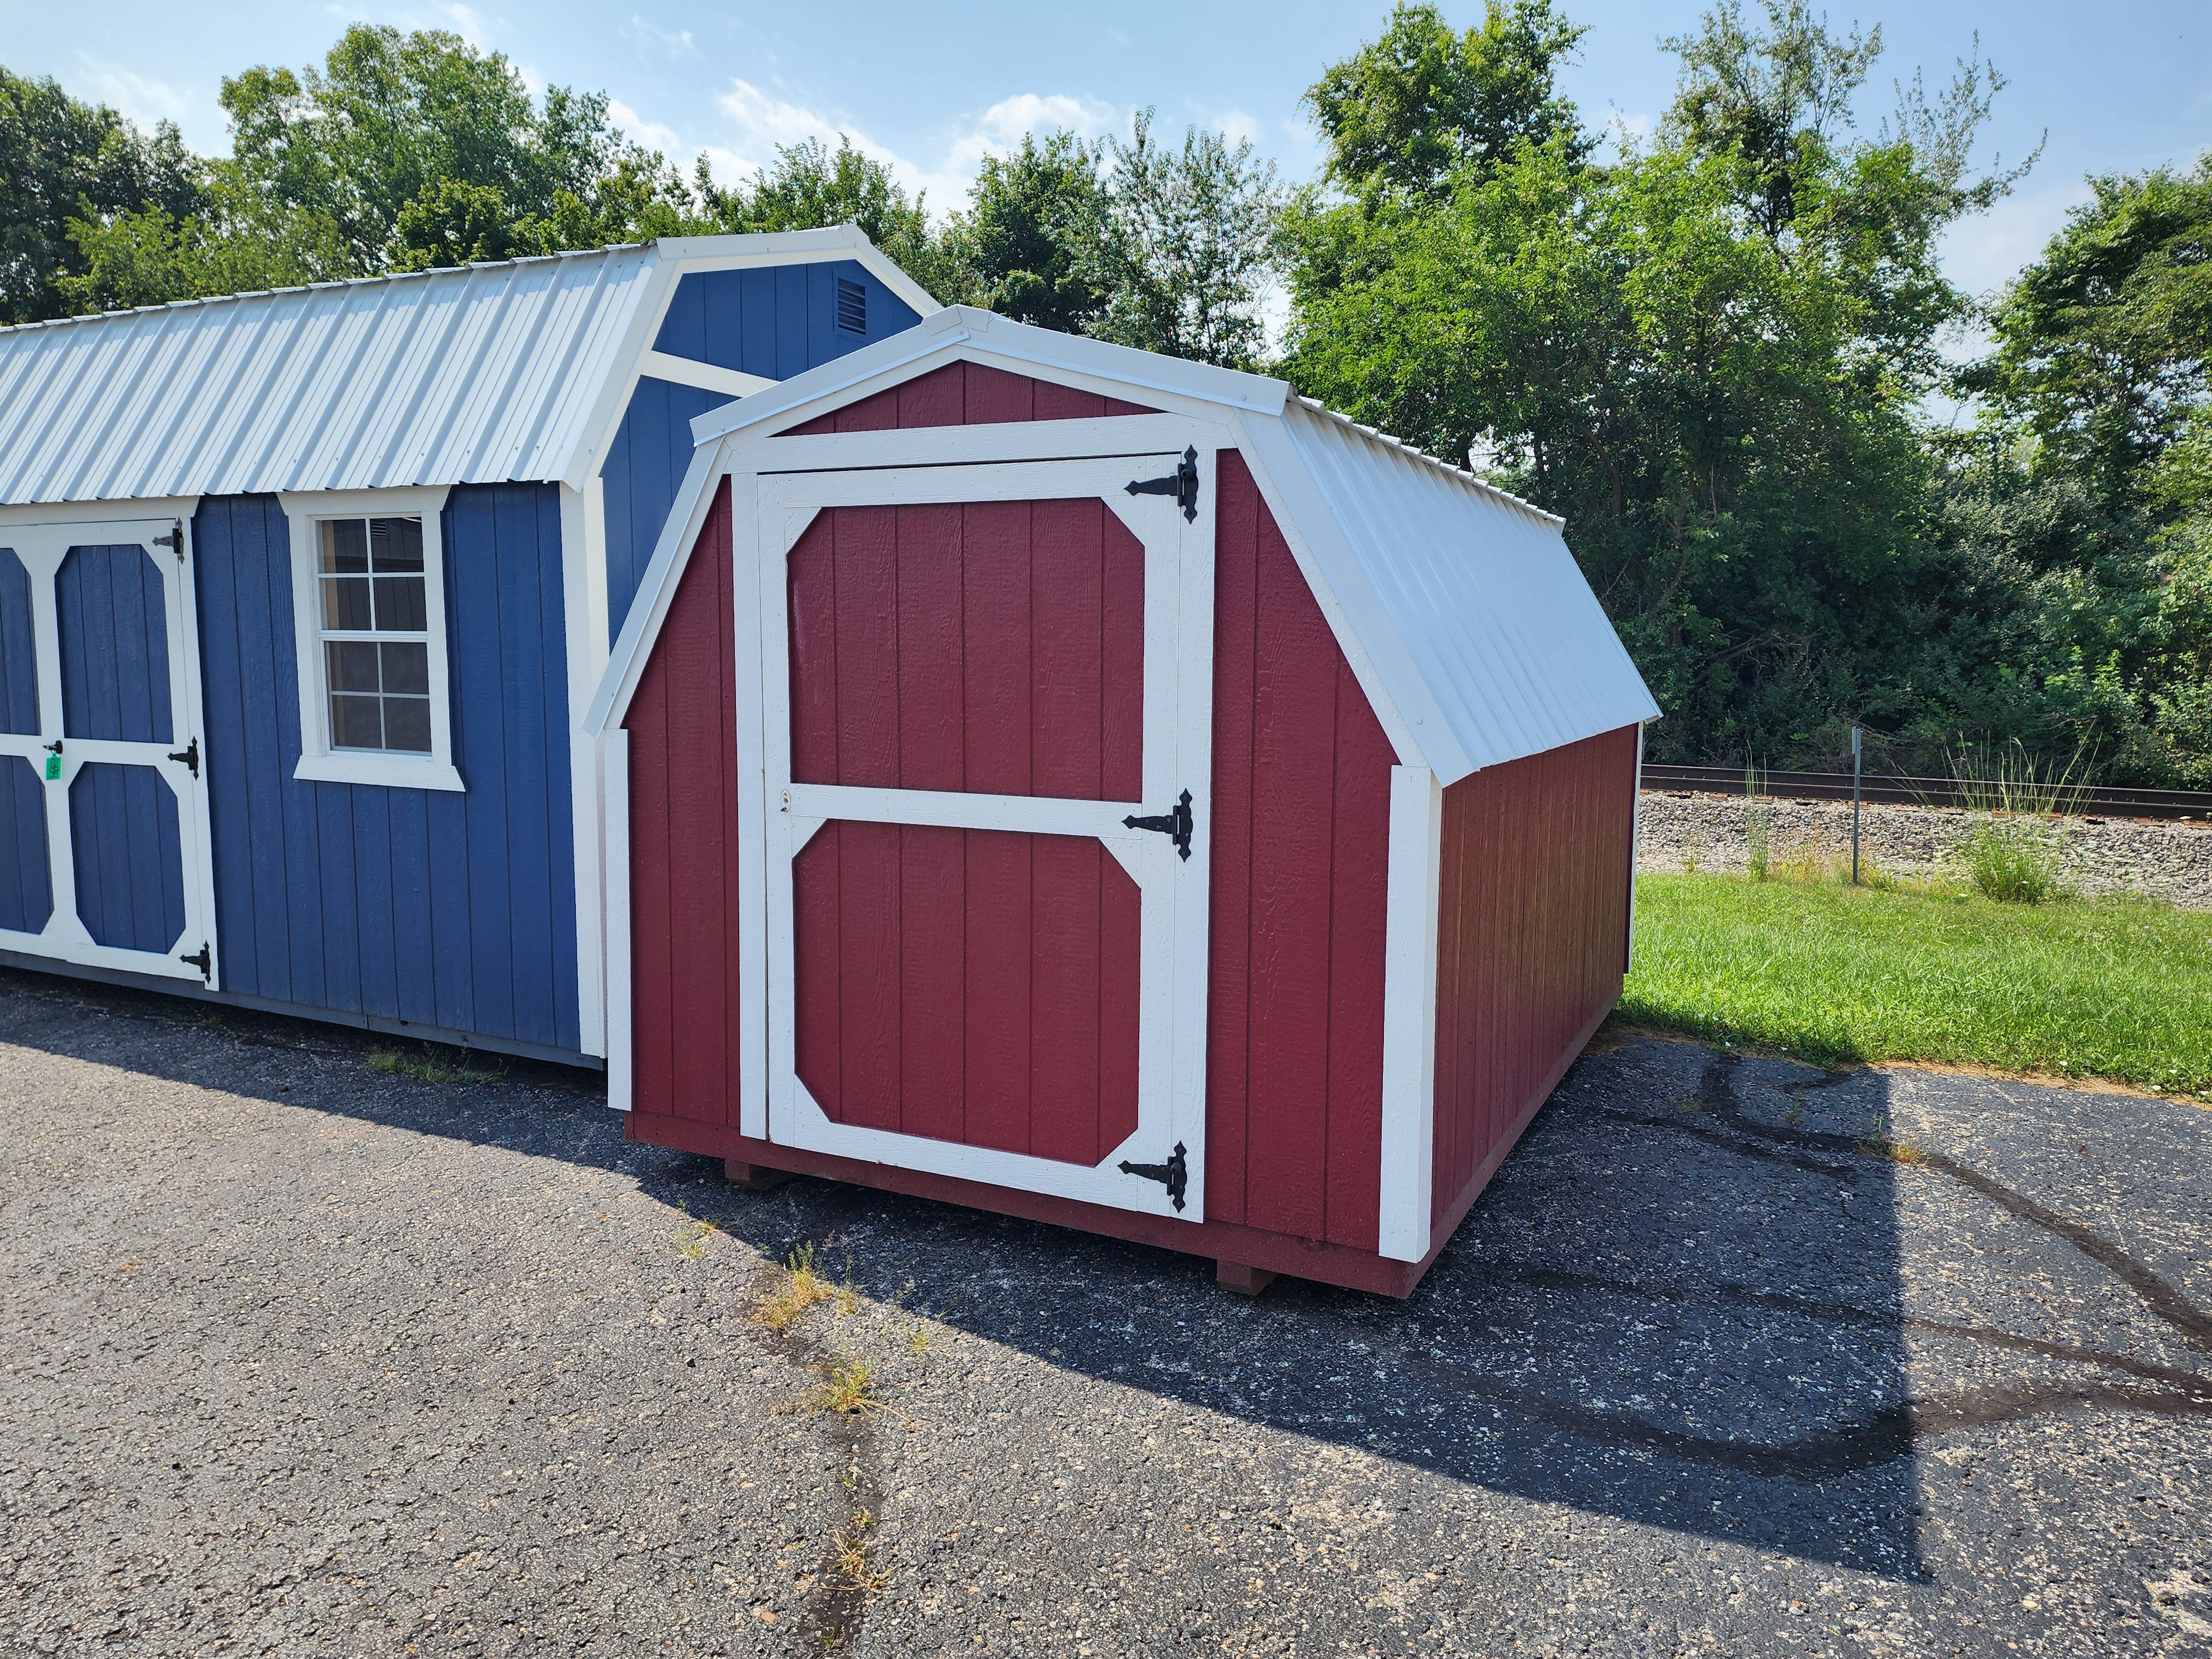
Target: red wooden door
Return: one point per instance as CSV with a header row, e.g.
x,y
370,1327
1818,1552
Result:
x,y
973,677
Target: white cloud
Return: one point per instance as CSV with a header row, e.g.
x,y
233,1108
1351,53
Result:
x,y
466,24
675,43
144,99
763,121
651,134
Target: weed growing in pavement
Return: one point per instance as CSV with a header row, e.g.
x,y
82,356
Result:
x,y
849,1390
797,1288
436,1064
691,1241
917,1339
853,1548
1689,1104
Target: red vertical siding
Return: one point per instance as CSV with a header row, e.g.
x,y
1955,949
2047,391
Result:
x,y
967,394
996,648
1301,838
1532,908
684,847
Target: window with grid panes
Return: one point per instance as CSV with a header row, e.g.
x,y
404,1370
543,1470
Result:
x,y
375,620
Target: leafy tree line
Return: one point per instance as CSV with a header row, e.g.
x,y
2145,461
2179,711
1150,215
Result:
x,y
1711,349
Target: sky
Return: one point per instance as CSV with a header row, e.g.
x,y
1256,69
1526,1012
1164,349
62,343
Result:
x,y
2114,87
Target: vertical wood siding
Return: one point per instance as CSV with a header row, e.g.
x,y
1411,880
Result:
x,y
129,859
111,614
644,468
774,322
996,648
19,667
969,986
1532,936
684,847
27,892
967,394
1300,851
454,911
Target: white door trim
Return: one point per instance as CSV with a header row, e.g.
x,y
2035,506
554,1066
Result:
x,y
1177,755
41,548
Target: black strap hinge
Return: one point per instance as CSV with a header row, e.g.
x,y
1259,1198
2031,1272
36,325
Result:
x,y
202,960
1176,825
1181,484
1174,1174
174,541
190,754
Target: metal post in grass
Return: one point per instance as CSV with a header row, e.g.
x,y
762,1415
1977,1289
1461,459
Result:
x,y
1857,752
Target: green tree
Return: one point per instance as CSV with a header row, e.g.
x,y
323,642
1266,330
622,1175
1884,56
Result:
x,y
1422,102
61,159
809,186
1711,370
1184,247
389,116
1027,245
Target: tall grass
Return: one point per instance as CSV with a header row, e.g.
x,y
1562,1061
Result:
x,y
2016,854
1758,825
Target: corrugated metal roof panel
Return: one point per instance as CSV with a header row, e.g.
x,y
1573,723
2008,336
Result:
x,y
1495,626
471,376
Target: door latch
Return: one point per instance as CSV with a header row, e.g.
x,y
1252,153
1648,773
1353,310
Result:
x,y
1174,1174
1176,825
201,960
1181,484
54,761
190,754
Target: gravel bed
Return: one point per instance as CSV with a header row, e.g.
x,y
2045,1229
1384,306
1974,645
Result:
x,y
2146,858
300,1357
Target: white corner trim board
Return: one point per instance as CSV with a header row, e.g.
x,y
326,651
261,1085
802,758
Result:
x,y
1409,1013
321,759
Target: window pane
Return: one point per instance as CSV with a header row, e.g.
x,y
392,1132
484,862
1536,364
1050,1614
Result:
x,y
355,723
400,607
397,543
407,668
345,602
345,545
407,724
353,667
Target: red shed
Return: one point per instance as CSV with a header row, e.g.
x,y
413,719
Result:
x,y
1105,789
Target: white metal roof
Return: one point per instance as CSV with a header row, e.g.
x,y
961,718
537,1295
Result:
x,y
1466,612
509,371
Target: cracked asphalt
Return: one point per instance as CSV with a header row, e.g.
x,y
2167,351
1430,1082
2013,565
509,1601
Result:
x,y
1734,1357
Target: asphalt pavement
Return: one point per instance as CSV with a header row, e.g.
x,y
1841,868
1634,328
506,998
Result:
x,y
1734,1357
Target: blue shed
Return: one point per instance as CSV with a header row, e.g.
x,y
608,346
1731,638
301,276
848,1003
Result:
x,y
302,596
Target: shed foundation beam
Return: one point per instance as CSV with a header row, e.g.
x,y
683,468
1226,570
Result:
x,y
1245,1281
753,1177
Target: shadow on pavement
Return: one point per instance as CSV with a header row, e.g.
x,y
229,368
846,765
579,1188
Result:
x,y
1680,1302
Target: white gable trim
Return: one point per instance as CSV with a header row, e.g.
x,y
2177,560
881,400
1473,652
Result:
x,y
677,257
656,590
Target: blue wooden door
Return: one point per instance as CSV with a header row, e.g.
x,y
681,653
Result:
x,y
103,798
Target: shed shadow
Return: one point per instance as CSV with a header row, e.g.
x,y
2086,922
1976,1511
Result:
x,y
1679,1303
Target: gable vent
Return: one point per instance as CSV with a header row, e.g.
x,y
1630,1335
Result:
x,y
852,306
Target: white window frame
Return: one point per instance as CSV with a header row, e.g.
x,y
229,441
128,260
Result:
x,y
319,762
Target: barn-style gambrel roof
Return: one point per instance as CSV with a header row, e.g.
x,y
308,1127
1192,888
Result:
x,y
1461,606
494,372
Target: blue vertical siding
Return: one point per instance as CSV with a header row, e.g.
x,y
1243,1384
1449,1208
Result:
x,y
19,668
129,859
114,630
26,892
448,909
644,466
774,322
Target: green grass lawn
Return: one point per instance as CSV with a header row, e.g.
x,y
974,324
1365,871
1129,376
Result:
x,y
1832,973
